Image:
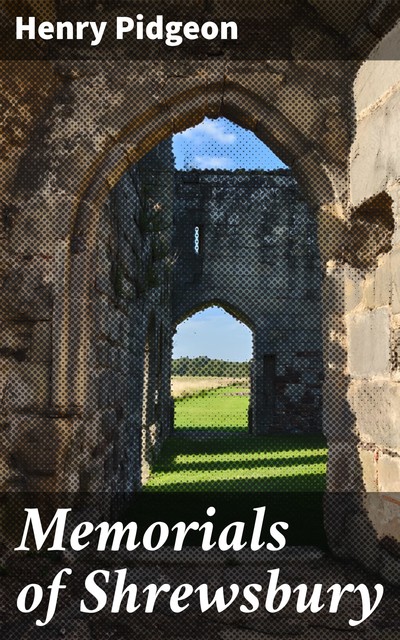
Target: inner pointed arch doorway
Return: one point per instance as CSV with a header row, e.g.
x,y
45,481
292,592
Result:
x,y
212,372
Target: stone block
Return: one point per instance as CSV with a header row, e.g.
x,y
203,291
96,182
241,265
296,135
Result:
x,y
374,157
344,473
376,406
378,77
388,473
368,469
369,343
36,446
288,100
28,387
395,276
374,504
394,193
383,282
352,288
383,510
25,291
41,342
107,324
369,291
15,340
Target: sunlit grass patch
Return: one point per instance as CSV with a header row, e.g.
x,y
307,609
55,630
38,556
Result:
x,y
241,463
221,408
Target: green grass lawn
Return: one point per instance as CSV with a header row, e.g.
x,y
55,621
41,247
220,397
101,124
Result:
x,y
238,472
241,462
212,459
217,409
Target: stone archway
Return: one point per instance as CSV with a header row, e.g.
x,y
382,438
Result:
x,y
241,316
148,132
70,184
108,140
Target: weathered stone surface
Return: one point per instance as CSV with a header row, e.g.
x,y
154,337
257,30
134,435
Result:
x,y
376,78
374,158
353,289
343,474
375,169
41,342
369,469
369,343
275,249
388,473
36,446
369,291
395,275
375,405
383,282
27,387
69,131
16,340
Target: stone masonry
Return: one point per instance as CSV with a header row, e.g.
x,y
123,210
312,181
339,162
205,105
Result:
x,y
253,228
255,232
84,303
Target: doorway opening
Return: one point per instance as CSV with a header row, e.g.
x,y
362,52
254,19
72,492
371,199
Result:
x,y
220,240
211,373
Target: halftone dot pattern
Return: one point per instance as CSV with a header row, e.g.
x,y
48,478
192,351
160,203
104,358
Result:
x,y
107,248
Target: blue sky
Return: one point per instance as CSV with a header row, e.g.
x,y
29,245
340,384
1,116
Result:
x,y
213,333
218,144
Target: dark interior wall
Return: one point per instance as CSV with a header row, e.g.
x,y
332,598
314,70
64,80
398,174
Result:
x,y
132,318
258,257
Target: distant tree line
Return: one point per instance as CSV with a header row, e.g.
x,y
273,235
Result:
x,y
203,366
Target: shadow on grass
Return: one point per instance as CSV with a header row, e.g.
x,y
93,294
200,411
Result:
x,y
296,463
236,472
240,444
214,429
298,482
225,465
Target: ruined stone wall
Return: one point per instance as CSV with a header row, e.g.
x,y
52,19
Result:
x,y
257,256
69,131
94,124
370,273
25,354
373,313
113,442
131,341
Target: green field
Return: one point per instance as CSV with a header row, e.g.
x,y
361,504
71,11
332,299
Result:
x,y
223,408
241,463
212,454
236,472
213,451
